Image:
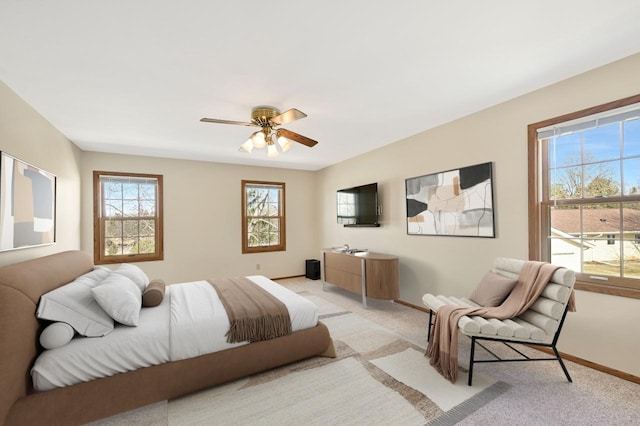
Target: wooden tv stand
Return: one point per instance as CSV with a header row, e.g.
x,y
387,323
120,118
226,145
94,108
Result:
x,y
361,272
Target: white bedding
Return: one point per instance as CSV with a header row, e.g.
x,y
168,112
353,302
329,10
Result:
x,y
189,322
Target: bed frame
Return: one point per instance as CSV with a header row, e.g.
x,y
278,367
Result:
x,y
21,286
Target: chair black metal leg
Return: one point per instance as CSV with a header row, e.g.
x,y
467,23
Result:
x,y
566,372
473,347
429,326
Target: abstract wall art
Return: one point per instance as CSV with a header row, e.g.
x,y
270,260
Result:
x,y
27,204
456,202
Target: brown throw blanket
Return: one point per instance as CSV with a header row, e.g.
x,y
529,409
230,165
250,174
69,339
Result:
x,y
443,344
254,314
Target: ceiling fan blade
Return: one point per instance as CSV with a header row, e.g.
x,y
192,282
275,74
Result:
x,y
288,116
297,138
215,120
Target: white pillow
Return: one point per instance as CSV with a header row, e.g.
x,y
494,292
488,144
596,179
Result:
x,y
120,298
74,304
135,274
56,335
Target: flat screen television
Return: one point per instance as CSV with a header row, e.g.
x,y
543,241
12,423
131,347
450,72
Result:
x,y
358,206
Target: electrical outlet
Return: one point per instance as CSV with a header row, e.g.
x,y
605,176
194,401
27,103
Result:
x,y
257,266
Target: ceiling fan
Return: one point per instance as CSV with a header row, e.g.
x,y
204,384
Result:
x,y
268,118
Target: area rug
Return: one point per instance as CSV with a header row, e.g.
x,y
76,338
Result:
x,y
378,378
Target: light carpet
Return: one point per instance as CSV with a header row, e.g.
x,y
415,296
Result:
x,y
378,378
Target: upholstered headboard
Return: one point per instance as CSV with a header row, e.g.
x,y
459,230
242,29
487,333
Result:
x,y
21,286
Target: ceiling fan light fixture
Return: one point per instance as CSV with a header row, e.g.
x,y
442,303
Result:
x,y
284,143
272,151
258,139
247,146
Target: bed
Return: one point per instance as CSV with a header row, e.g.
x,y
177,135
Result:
x,y
151,375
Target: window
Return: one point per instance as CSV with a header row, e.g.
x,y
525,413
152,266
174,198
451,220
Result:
x,y
263,218
127,217
584,195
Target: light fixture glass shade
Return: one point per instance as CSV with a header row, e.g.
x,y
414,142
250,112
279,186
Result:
x,y
285,144
247,146
272,151
258,139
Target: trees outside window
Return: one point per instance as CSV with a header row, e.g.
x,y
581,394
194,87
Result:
x,y
263,216
584,202
127,217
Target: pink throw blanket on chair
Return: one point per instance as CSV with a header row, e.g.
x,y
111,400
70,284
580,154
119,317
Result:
x,y
443,344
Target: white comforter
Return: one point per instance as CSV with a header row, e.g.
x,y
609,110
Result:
x,y
189,322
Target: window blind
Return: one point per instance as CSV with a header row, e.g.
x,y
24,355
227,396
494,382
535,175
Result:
x,y
630,112
128,179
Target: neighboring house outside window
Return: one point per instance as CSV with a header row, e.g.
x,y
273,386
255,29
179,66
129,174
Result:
x,y
584,195
128,222
263,216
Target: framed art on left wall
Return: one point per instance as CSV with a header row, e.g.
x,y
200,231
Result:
x,y
27,204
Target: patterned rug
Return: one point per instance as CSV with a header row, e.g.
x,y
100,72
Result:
x,y
378,378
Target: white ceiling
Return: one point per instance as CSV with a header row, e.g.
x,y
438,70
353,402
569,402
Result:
x,y
136,76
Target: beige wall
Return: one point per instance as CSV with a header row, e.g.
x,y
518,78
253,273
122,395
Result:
x,y
26,135
453,265
202,226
